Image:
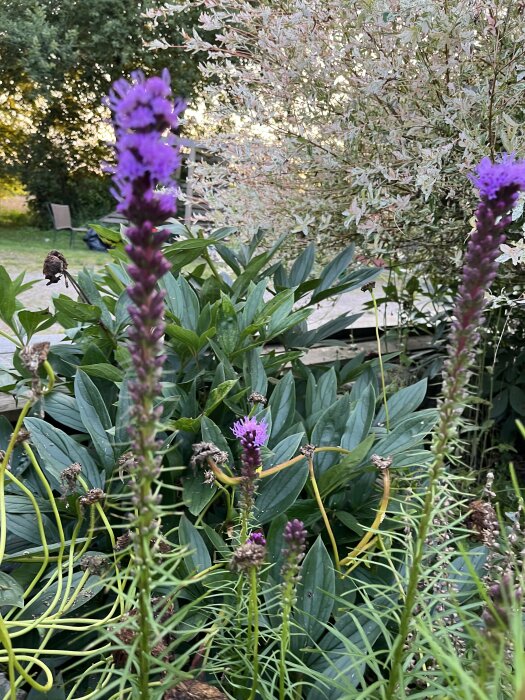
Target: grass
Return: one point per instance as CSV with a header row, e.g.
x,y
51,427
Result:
x,y
23,249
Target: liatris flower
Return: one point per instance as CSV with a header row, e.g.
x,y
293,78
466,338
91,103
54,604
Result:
x,y
252,436
142,113
499,185
251,554
294,537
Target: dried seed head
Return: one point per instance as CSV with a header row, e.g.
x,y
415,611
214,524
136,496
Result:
x,y
92,496
95,563
123,541
203,450
32,356
69,478
255,397
483,521
55,265
2,457
381,463
193,690
248,555
307,450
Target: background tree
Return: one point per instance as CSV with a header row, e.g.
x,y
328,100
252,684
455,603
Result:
x,y
352,120
57,60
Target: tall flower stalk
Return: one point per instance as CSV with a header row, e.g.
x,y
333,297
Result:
x,y
294,537
143,113
252,435
499,185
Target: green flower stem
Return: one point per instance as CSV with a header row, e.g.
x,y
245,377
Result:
x,y
352,559
3,469
253,621
287,597
380,357
41,531
263,474
414,575
11,339
324,514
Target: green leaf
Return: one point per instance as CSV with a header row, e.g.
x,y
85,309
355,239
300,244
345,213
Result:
x,y
228,333
345,650
107,235
7,297
105,371
75,599
334,270
254,373
402,403
198,557
181,301
517,399
339,474
11,592
276,493
123,416
217,395
64,409
315,595
197,494
95,417
188,339
328,432
360,419
282,405
283,451
253,302
57,450
408,433
302,266
35,321
87,285
25,526
69,310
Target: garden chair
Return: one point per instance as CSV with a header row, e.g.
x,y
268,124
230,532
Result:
x,y
62,221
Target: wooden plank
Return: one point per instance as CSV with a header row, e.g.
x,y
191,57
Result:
x,y
315,356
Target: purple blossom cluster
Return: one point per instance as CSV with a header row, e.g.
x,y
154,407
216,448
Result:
x,y
252,435
249,429
493,179
294,546
142,112
499,185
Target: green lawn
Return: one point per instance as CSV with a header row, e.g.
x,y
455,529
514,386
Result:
x,y
23,249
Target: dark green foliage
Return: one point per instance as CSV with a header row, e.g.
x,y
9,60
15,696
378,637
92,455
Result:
x,y
227,336
56,65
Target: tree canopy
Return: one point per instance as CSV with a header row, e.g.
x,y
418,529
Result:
x,y
57,61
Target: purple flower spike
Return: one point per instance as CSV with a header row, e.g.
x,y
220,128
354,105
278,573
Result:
x,y
499,185
294,537
249,427
506,173
142,111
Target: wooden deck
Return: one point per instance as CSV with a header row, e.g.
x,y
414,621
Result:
x,y
315,356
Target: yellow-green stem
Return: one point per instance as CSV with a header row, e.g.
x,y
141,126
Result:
x,y
380,357
323,513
